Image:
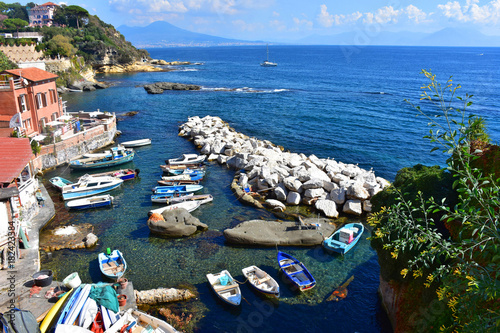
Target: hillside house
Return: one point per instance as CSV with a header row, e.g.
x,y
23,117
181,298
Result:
x,y
28,100
42,15
19,195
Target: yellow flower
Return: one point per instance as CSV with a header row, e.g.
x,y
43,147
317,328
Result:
x,y
417,273
404,272
457,271
452,303
394,254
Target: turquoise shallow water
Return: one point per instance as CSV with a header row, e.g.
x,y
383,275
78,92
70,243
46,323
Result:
x,y
316,101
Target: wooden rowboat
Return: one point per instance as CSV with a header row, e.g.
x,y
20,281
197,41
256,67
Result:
x,y
92,202
261,281
112,265
225,287
186,159
296,271
344,238
136,143
123,174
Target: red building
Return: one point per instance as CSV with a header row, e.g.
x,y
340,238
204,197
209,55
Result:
x,y
28,100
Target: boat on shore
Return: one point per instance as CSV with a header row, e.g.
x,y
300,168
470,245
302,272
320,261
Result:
x,y
91,202
59,182
177,189
187,205
140,321
261,281
296,272
123,174
119,155
113,264
89,186
225,287
186,159
345,238
136,143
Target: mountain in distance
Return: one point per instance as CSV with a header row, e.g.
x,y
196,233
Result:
x,y
164,34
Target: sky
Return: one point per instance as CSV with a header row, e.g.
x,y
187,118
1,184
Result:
x,y
287,20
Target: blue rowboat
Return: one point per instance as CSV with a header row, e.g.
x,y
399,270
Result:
x,y
92,202
59,182
112,265
296,271
116,156
177,189
89,186
344,238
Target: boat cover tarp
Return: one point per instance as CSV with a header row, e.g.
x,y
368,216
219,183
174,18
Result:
x,y
224,280
105,295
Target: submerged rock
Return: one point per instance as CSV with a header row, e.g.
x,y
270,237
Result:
x,y
271,233
175,223
159,87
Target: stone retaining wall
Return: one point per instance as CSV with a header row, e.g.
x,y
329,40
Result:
x,y
76,145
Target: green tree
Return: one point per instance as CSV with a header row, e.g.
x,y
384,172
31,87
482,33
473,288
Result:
x,y
15,23
5,63
464,267
77,13
60,17
16,10
61,45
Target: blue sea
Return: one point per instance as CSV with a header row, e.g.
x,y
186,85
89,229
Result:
x,y
346,103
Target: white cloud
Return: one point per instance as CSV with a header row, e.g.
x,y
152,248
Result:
x,y
383,15
277,25
416,15
472,12
299,24
276,14
325,19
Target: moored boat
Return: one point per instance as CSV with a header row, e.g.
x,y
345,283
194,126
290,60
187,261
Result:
x,y
178,182
119,155
124,174
192,169
89,186
202,198
187,205
140,322
186,159
225,287
136,143
261,281
177,189
296,271
91,202
345,238
113,264
59,182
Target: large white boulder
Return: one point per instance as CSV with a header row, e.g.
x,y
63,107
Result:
x,y
353,207
275,205
293,198
328,207
338,195
313,183
357,191
280,192
315,193
293,184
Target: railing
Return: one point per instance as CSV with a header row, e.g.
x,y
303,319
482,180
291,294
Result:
x,y
5,84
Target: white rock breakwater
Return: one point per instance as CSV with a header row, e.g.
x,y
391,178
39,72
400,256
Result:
x,y
285,177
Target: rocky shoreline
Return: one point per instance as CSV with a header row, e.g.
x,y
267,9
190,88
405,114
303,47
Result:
x,y
284,177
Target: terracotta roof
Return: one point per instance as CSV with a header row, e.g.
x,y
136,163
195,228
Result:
x,y
32,74
15,153
50,4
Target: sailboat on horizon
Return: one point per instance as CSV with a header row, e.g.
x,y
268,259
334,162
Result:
x,y
266,62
